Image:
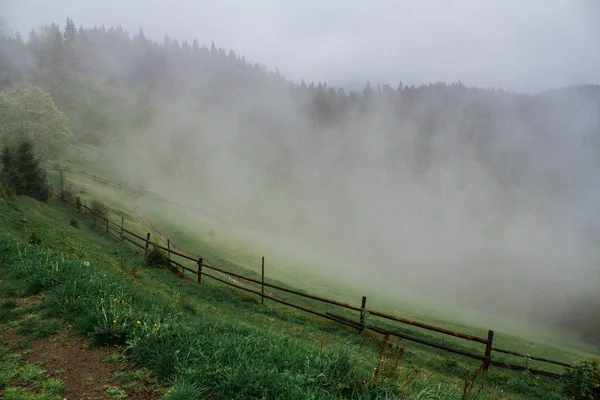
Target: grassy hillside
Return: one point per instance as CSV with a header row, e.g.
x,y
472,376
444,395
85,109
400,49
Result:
x,y
229,246
209,339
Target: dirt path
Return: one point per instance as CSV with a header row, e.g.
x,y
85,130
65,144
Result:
x,y
94,373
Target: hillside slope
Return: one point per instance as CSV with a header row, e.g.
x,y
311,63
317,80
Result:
x,y
235,347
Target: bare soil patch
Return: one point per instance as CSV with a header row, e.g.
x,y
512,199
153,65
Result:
x,y
72,359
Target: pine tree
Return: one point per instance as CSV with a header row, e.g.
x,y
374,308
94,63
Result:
x,y
140,37
19,38
21,173
70,32
31,176
195,46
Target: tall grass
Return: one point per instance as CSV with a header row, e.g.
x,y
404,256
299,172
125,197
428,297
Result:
x,y
196,353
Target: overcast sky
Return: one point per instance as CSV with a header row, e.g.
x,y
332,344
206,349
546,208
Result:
x,y
525,45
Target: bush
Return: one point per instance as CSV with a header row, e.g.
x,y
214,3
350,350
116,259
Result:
x,y
583,381
34,238
99,209
67,195
5,193
183,389
73,222
156,258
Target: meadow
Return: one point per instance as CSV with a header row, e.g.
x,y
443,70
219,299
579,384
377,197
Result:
x,y
216,342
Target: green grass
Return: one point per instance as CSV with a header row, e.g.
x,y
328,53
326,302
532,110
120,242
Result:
x,y
211,337
26,381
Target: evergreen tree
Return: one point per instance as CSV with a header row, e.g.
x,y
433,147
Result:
x,y
33,41
21,173
140,37
19,38
70,32
32,177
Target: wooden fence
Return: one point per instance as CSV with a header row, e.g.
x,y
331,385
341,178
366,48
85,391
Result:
x,y
97,179
118,232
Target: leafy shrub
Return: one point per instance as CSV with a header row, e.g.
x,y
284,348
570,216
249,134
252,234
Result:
x,y
113,322
5,192
156,258
583,381
34,238
99,209
8,305
183,389
67,195
73,222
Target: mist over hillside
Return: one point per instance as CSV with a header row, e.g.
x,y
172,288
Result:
x,y
482,198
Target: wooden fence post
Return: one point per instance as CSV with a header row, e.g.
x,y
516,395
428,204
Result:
x,y
122,221
200,270
169,254
107,225
262,288
363,304
147,241
488,351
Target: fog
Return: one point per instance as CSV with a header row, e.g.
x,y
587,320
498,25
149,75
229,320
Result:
x,y
516,45
481,199
508,227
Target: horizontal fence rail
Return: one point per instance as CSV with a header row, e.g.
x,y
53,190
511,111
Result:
x,y
119,233
95,178
546,360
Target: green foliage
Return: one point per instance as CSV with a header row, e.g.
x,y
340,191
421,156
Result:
x,y
21,171
73,222
155,257
27,110
6,309
46,328
114,358
583,381
31,372
54,388
34,237
184,389
33,179
99,208
4,192
115,393
8,305
67,195
233,360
